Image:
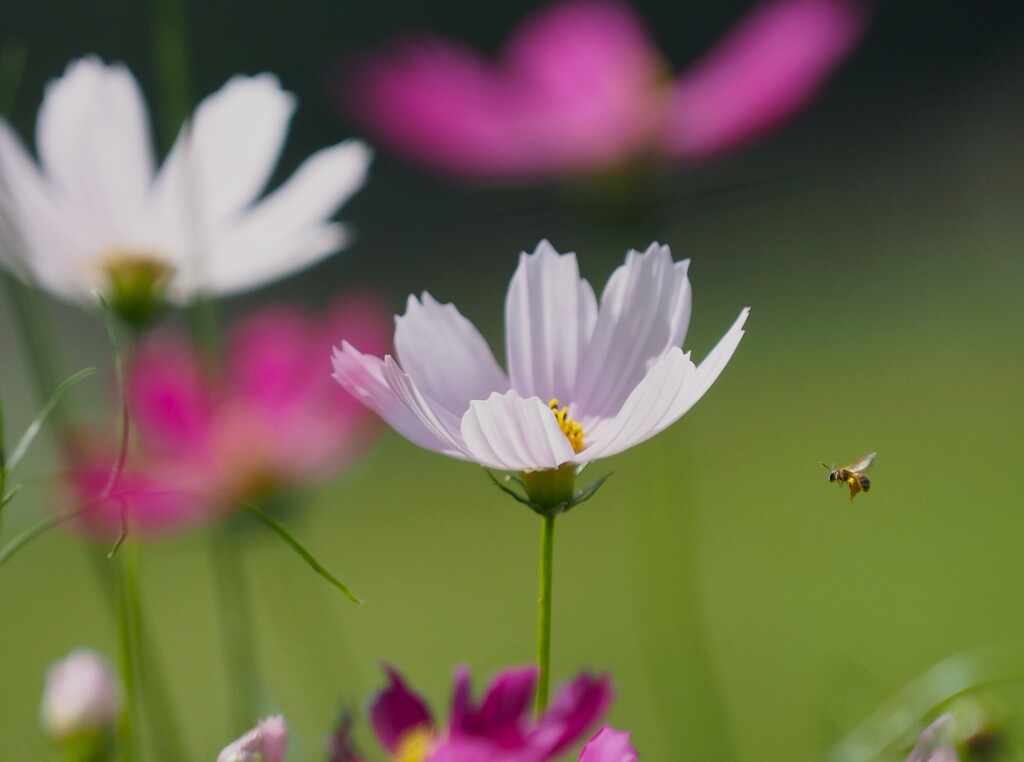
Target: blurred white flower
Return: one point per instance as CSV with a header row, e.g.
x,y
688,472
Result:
x,y
82,695
97,214
934,743
267,742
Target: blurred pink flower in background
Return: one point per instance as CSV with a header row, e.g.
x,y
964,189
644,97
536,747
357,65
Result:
x,y
269,418
500,728
580,88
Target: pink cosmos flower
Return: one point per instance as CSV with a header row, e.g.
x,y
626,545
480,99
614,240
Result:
x,y
935,744
501,727
267,742
580,88
609,745
269,418
584,381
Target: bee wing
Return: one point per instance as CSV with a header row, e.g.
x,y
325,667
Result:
x,y
863,463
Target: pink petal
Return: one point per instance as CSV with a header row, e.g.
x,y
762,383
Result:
x,y
168,398
446,355
510,433
267,742
397,710
363,376
549,316
502,711
763,72
576,707
608,745
665,394
934,744
645,310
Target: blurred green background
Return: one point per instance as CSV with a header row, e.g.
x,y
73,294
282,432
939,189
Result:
x,y
745,609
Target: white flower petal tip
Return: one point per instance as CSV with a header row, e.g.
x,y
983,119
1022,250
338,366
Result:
x,y
82,695
585,381
95,202
267,742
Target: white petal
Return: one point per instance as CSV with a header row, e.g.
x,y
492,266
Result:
x,y
231,145
93,139
289,229
668,391
38,238
363,376
509,432
549,316
446,355
645,310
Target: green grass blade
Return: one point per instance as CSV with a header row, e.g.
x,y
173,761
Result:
x,y
37,423
303,553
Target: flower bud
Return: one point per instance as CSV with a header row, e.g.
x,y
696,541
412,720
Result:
x,y
267,742
81,704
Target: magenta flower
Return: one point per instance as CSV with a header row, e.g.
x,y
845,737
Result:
x,y
269,418
267,742
500,728
580,89
609,745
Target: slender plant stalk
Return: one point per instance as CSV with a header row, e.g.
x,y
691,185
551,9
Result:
x,y
547,548
157,708
235,616
128,638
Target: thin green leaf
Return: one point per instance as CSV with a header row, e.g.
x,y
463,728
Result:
x,y
303,553
26,536
10,494
37,423
122,394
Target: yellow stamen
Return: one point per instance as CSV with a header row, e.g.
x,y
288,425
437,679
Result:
x,y
572,430
415,745
135,284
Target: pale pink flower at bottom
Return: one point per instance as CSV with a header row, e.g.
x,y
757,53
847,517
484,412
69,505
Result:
x,y
268,419
934,744
82,695
267,742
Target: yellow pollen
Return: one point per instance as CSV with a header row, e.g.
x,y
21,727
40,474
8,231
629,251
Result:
x,y
415,745
572,430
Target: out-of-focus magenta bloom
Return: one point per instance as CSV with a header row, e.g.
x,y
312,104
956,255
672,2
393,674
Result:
x,y
267,742
580,89
269,418
500,728
609,745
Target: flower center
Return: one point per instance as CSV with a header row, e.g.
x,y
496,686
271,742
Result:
x,y
415,745
572,430
137,283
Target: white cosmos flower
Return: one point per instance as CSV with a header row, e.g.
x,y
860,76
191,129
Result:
x,y
617,367
96,201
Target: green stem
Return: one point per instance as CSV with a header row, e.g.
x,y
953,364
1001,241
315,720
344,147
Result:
x,y
235,616
547,549
157,703
171,53
128,637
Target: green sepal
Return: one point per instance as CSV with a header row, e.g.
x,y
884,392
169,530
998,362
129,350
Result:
x,y
579,496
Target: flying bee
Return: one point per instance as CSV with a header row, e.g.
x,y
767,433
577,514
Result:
x,y
853,474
